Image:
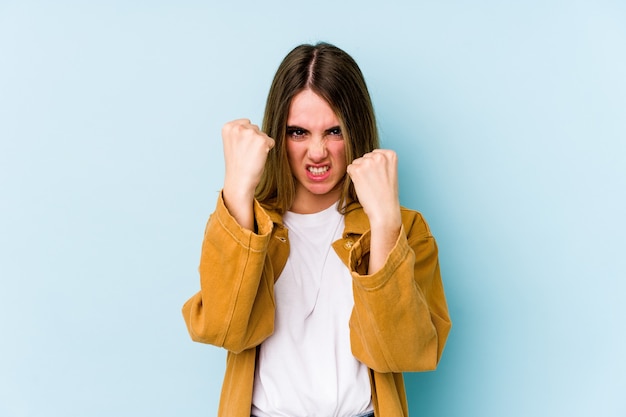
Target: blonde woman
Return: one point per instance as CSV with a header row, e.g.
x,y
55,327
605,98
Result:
x,y
322,288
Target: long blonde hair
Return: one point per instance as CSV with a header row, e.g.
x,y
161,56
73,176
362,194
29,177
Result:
x,y
332,74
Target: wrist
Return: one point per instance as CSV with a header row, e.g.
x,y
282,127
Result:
x,y
238,193
240,205
391,220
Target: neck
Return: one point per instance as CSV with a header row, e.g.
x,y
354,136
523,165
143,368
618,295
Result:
x,y
308,203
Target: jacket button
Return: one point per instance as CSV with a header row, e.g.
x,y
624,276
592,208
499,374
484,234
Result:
x,y
348,244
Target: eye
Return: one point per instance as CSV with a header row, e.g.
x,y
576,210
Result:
x,y
335,132
296,133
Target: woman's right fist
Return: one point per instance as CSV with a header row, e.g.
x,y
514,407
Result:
x,y
245,152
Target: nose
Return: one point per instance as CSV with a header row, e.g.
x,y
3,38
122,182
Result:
x,y
316,150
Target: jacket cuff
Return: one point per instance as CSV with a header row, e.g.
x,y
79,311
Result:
x,y
359,257
247,238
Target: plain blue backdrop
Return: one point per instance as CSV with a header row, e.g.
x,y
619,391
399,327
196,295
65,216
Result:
x,y
510,122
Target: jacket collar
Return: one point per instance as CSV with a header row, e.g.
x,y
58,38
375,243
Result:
x,y
356,221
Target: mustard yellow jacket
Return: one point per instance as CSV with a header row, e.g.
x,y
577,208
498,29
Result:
x,y
399,322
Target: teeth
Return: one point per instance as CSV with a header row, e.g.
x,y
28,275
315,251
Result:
x,y
318,170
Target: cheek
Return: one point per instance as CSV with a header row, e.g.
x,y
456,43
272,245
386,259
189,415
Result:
x,y
293,153
339,152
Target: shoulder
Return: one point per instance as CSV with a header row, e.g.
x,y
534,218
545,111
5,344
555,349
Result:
x,y
414,223
271,211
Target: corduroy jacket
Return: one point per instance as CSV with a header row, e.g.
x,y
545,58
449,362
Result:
x,y
399,321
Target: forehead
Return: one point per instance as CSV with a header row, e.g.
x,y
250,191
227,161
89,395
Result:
x,y
309,110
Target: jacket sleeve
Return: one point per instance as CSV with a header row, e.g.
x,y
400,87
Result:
x,y
400,320
234,308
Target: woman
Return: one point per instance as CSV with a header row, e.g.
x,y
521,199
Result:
x,y
320,286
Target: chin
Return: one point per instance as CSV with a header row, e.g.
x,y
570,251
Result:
x,y
322,190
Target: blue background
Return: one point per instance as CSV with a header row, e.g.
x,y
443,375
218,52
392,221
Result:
x,y
509,119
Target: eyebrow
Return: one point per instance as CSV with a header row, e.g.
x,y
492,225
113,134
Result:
x,y
296,128
292,128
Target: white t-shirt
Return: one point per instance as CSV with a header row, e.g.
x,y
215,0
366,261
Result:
x,y
306,368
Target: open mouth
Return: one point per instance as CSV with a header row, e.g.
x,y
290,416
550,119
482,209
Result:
x,y
318,171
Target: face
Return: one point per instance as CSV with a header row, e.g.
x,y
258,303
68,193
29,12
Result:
x,y
316,152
